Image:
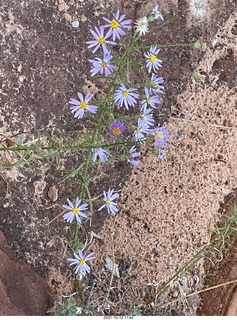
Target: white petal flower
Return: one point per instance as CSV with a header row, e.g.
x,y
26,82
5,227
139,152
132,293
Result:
x,y
198,8
142,26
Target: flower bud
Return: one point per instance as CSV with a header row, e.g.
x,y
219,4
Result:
x,y
155,152
133,128
149,84
197,45
136,117
151,18
197,76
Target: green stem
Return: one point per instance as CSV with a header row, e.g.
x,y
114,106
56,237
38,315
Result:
x,y
100,113
175,65
143,72
89,198
61,148
218,239
165,23
72,174
168,45
80,291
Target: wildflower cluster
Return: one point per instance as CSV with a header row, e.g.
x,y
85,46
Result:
x,y
115,123
113,128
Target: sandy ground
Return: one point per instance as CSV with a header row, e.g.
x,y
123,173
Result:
x,y
167,205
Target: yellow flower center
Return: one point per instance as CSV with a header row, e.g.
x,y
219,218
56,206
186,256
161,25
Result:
x,y
101,40
159,134
148,100
109,201
116,131
138,131
103,64
82,262
125,93
114,24
143,118
153,58
75,210
83,105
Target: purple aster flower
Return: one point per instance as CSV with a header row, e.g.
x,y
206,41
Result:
x,y
102,153
152,62
102,65
82,105
109,204
125,96
75,211
139,133
133,154
116,24
146,118
116,128
151,101
156,13
161,136
157,88
100,40
80,262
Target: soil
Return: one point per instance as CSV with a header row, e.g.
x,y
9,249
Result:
x,y
44,63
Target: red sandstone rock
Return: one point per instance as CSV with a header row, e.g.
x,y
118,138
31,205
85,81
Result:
x,y
232,308
22,291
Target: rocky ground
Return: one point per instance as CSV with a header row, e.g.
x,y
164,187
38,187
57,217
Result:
x,y
165,205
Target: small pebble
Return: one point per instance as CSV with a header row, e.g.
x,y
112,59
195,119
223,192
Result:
x,y
53,193
180,133
175,294
21,79
190,146
75,24
124,265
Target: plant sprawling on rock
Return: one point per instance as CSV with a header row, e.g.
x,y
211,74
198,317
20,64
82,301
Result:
x,y
108,131
118,121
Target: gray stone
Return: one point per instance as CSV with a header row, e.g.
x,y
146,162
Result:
x,y
75,24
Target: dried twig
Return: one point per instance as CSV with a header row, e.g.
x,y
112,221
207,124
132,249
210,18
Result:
x,y
197,292
60,214
112,275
